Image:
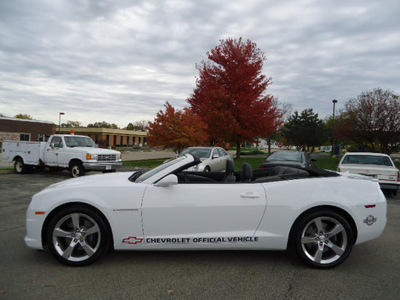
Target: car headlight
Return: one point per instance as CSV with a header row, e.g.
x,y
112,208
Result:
x,y
198,168
90,156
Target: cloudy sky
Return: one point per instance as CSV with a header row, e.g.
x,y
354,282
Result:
x,y
119,61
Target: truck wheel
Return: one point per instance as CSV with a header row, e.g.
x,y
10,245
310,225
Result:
x,y
19,166
76,169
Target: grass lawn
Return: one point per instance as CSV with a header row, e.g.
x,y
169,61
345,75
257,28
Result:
x,y
145,163
328,163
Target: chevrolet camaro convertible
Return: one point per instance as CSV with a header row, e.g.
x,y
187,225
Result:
x,y
319,215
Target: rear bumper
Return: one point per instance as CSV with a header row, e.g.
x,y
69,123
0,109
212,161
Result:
x,y
104,166
387,185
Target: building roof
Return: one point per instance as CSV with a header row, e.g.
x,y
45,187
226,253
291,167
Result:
x,y
104,131
26,120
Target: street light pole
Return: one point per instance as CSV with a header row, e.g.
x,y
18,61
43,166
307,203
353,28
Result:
x,y
59,120
334,101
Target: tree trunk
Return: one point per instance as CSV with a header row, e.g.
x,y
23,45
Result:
x,y
238,149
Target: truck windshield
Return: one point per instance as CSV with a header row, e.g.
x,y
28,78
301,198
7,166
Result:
x,y
79,141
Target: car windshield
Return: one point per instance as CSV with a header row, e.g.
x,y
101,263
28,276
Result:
x,y
367,160
285,156
79,141
200,152
154,171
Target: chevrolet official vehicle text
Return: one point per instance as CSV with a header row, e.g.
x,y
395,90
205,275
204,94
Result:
x,y
76,153
318,214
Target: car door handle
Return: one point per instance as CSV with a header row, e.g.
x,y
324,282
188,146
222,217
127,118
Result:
x,y
250,195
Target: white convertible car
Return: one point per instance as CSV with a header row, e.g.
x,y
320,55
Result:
x,y
317,214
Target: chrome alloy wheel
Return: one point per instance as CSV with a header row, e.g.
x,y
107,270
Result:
x,y
324,240
76,237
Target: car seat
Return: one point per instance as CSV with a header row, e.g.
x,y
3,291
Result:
x,y
230,170
247,173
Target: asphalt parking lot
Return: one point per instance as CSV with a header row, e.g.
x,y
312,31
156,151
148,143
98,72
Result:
x,y
371,272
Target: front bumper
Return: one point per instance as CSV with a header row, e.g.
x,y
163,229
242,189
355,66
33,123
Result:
x,y
103,166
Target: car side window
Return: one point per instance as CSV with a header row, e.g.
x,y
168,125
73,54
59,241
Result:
x,y
222,152
215,153
57,142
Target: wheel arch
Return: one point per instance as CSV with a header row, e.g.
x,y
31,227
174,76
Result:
x,y
73,204
74,160
18,156
336,209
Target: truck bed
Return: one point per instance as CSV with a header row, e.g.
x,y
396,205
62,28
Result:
x,y
31,151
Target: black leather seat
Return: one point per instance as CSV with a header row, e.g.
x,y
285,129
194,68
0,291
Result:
x,y
247,173
230,170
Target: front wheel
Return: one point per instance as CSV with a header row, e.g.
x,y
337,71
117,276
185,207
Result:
x,y
323,239
77,236
76,169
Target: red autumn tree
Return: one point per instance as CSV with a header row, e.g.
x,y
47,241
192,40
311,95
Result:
x,y
230,94
176,129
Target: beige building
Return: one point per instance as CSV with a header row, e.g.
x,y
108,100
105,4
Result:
x,y
107,137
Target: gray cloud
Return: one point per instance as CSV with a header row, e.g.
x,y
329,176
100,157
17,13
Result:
x,y
119,61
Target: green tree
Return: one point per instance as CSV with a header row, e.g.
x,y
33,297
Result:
x,y
102,124
305,130
138,125
23,116
71,124
373,118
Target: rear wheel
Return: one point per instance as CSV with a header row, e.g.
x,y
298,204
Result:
x,y
77,236
323,239
19,166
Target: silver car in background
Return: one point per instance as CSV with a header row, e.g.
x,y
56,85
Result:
x,y
213,159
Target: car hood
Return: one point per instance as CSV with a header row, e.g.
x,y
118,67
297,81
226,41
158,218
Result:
x,y
93,150
112,179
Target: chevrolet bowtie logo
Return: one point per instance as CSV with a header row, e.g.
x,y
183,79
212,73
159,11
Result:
x,y
132,240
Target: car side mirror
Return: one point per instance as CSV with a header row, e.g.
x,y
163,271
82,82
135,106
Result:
x,y
52,145
167,181
215,156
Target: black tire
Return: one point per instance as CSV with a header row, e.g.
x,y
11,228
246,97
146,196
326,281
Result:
x,y
76,169
207,169
77,236
19,166
322,239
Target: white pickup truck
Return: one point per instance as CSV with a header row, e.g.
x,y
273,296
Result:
x,y
76,153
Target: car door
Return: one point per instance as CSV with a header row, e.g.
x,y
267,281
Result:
x,y
217,161
52,151
205,215
224,156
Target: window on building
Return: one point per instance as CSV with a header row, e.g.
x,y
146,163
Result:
x,y
24,137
